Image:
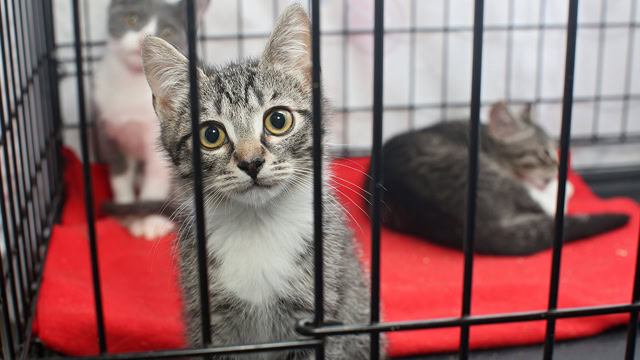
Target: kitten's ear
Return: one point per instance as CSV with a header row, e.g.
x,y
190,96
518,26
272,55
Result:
x,y
167,72
502,124
526,114
289,46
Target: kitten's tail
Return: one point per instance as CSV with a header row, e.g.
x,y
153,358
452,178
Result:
x,y
141,208
583,226
527,234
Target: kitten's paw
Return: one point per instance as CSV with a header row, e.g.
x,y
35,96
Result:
x,y
151,227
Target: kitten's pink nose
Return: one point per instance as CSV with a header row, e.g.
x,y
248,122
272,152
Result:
x,y
252,168
249,157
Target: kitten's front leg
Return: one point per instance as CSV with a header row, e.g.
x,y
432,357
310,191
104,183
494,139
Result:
x,y
122,168
156,185
122,179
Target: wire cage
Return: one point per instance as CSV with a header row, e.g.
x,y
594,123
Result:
x,y
34,63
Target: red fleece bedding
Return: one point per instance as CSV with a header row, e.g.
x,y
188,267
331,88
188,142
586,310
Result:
x,y
419,280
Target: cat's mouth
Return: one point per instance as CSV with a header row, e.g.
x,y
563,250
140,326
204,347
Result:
x,y
256,184
256,192
539,183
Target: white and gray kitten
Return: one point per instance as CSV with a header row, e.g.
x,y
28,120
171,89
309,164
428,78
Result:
x,y
127,126
256,141
425,174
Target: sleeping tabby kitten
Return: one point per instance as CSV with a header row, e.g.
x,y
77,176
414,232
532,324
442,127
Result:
x,y
425,174
256,141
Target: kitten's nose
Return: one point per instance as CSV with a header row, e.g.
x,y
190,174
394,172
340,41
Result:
x,y
252,168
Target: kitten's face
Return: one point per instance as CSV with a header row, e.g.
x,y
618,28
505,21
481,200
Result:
x,y
255,130
131,20
526,149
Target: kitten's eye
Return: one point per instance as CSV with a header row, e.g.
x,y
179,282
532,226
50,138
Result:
x,y
212,136
278,122
166,32
132,19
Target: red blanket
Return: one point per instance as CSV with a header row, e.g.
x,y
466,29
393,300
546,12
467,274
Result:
x,y
419,280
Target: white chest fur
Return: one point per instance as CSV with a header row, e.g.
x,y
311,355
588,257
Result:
x,y
547,197
124,103
258,247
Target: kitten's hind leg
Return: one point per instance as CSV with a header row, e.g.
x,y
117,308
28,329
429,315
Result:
x,y
521,234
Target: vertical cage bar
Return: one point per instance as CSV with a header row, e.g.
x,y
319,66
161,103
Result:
x,y
14,270
599,70
197,174
540,58
412,63
30,132
376,166
7,350
565,137
444,85
51,85
317,170
345,79
43,126
17,206
18,142
276,11
4,299
26,147
240,28
632,331
472,177
86,172
629,72
509,62
45,111
53,89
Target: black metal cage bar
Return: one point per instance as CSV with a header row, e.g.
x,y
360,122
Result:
x,y
472,174
31,185
633,318
376,167
316,88
629,68
88,185
567,107
197,175
31,164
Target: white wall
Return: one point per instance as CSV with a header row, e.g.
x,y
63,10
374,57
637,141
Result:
x,y
351,86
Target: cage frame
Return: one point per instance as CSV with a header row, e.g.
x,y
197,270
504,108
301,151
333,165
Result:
x,y
35,200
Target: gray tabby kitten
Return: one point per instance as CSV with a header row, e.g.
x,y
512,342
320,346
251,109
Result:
x,y
256,140
425,173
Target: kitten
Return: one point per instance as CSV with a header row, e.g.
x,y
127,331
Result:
x,y
256,141
425,174
127,125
